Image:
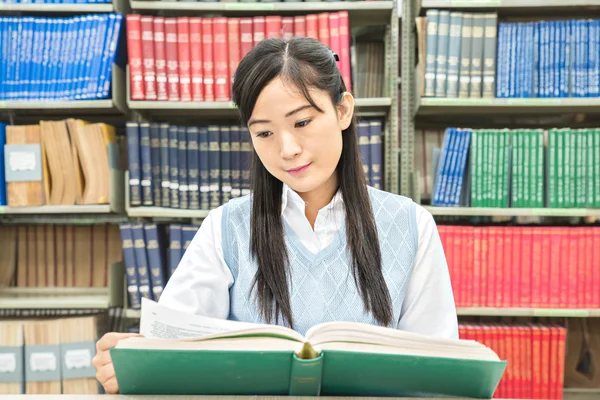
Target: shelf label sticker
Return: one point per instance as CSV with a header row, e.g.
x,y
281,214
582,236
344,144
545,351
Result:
x,y
249,6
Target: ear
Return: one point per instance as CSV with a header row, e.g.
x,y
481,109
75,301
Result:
x,y
345,110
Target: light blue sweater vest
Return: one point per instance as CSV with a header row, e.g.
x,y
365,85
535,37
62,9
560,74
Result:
x,y
322,287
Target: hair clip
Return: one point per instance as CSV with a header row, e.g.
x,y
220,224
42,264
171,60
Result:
x,y
335,56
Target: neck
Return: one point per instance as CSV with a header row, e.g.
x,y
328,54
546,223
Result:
x,y
319,198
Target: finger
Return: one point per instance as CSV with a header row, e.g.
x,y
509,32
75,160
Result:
x,y
101,358
111,386
110,340
105,373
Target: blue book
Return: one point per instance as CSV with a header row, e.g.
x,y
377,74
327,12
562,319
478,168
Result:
x,y
236,173
375,154
187,235
364,148
146,164
214,162
133,293
225,148
245,159
512,48
204,168
141,259
2,173
132,132
594,59
462,166
193,168
451,173
529,60
155,163
165,183
4,37
502,65
111,51
99,41
175,247
155,255
440,175
174,165
182,167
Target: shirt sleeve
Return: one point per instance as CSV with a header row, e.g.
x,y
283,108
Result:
x,y
429,307
201,281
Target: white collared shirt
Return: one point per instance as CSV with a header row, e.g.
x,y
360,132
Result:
x,y
201,282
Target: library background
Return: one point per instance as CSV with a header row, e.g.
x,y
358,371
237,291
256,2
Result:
x,y
119,135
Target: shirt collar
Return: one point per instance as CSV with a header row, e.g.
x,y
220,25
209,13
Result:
x,y
290,198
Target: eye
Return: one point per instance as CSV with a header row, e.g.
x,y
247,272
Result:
x,y
263,134
302,123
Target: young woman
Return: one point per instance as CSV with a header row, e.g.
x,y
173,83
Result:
x,y
312,243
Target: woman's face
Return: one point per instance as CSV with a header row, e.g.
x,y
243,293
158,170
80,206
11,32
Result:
x,y
297,144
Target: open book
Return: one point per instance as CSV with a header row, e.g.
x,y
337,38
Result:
x,y
336,358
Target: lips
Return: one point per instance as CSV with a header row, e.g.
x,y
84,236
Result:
x,y
298,170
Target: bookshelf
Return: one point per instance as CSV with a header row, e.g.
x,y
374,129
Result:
x,y
56,8
513,212
529,312
522,5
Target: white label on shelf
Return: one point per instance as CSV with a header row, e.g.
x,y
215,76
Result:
x,y
134,182
78,359
42,361
8,362
21,161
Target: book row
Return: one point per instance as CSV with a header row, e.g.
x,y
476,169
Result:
x,y
50,356
459,53
549,59
58,255
535,355
46,58
56,1
194,58
523,267
202,167
558,168
63,162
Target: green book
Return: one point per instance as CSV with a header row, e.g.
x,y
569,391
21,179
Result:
x,y
332,359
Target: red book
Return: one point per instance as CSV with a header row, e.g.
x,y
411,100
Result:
x,y
526,363
273,26
183,52
483,299
553,385
246,36
345,48
160,59
258,30
221,60
468,275
527,242
312,26
562,344
516,267
536,268
196,58
498,347
476,291
516,362
233,41
545,268
596,267
208,67
580,233
172,58
564,268
334,37
498,267
300,26
492,291
287,27
506,267
589,268
134,54
555,263
324,34
536,358
510,367
146,24
456,265
545,365
572,267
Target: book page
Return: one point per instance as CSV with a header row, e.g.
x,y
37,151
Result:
x,y
160,322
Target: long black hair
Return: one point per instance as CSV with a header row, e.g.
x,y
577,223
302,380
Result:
x,y
305,63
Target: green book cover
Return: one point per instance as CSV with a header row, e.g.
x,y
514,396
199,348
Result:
x,y
527,168
551,169
589,159
572,179
539,192
597,167
332,359
475,171
560,168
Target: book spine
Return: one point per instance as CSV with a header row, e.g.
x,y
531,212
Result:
x,y
197,81
245,160
323,24
537,269
204,168
172,58
155,163
246,35
208,66
477,43
345,48
160,59
287,27
376,154
175,248
441,64
305,376
155,260
312,26
182,165
134,50
465,56
506,266
300,26
183,58
139,246
500,245
233,41
221,61
174,166
146,160
214,156
148,68
258,30
236,183
431,51
454,54
489,54
165,182
193,168
134,165
133,294
225,163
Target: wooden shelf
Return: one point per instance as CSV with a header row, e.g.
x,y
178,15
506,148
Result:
x,y
251,8
529,312
163,212
513,212
521,4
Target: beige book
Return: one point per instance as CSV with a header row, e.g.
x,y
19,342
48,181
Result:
x,y
8,255
99,256
31,246
44,333
11,335
40,250
60,254
78,337
83,256
69,255
22,255
50,259
72,126
21,194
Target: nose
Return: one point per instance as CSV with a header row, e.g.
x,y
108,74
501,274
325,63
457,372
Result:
x,y
289,145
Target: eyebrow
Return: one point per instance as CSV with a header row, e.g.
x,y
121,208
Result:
x,y
289,114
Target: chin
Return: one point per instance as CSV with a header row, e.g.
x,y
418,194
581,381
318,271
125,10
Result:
x,y
302,185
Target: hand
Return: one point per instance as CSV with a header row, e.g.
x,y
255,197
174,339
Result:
x,y
105,371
